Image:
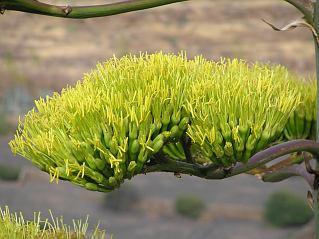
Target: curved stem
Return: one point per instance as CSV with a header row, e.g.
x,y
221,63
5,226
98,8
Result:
x,y
259,159
316,186
290,171
277,151
174,166
270,154
36,7
302,7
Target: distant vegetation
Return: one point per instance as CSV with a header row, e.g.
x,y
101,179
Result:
x,y
5,126
284,208
9,173
189,206
122,199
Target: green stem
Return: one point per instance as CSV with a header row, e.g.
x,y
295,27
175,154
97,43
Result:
x,y
36,7
174,166
316,191
259,159
288,172
316,26
302,7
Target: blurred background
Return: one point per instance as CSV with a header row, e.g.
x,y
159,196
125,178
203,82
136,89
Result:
x,y
40,55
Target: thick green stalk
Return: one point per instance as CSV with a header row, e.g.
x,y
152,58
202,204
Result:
x,y
316,191
316,26
305,7
36,7
258,160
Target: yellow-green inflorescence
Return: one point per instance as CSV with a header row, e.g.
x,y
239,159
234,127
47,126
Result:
x,y
129,110
15,226
302,123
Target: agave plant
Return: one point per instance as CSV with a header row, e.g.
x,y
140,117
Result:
x,y
159,112
133,111
14,225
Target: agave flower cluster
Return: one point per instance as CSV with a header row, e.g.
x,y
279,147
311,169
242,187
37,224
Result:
x,y
131,110
14,225
302,123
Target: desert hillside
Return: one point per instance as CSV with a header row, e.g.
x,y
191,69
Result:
x,y
44,53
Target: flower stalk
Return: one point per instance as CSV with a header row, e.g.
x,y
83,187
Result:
x,y
306,7
316,184
258,160
89,11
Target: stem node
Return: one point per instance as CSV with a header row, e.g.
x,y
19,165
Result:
x,y
67,10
